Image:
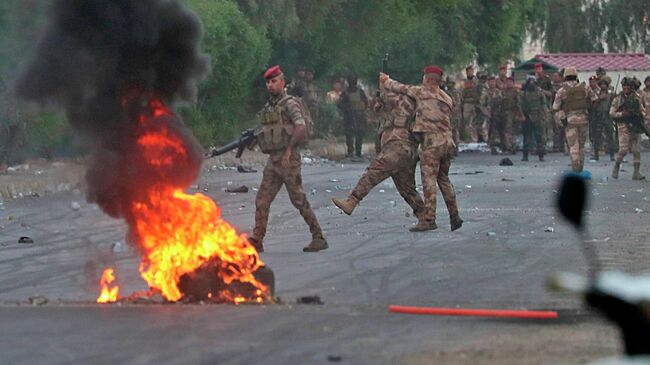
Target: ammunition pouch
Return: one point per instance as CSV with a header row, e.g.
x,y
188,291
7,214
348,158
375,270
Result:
x,y
274,138
576,99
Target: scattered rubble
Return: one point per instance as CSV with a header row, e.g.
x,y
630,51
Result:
x,y
239,189
506,162
38,300
75,206
25,240
309,299
245,169
549,229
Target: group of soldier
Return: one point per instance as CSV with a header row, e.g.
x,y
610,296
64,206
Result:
x,y
415,124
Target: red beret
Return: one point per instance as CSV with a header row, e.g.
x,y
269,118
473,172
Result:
x,y
272,72
503,67
433,70
539,65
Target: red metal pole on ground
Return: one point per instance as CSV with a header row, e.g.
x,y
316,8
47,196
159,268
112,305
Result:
x,y
472,312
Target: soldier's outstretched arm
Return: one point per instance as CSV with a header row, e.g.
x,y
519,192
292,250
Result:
x,y
396,86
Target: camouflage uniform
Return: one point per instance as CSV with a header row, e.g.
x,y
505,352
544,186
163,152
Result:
x,y
501,82
398,155
534,128
433,131
628,135
469,102
645,101
546,84
571,103
559,137
353,106
511,108
456,115
602,128
275,175
490,103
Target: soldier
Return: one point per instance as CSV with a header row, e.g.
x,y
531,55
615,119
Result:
x,y
283,131
559,138
490,103
545,83
511,111
534,127
603,129
353,105
503,76
645,98
397,157
481,127
469,74
333,96
432,130
469,102
570,107
456,112
625,108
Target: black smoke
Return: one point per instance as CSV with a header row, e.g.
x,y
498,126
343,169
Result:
x,y
103,61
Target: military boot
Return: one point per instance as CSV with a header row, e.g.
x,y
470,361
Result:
x,y
525,158
423,226
316,244
259,246
347,205
617,167
456,223
637,175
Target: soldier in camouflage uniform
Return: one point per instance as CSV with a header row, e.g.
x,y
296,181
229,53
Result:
x,y
511,111
283,131
353,105
469,103
545,83
570,107
456,112
602,129
601,73
629,134
490,103
432,130
559,137
534,127
481,126
397,157
503,77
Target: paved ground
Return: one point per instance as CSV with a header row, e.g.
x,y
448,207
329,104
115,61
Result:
x,y
500,259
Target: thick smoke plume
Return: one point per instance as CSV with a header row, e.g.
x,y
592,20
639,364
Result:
x,y
105,61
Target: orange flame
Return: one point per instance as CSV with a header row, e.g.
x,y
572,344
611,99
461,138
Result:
x,y
178,232
108,295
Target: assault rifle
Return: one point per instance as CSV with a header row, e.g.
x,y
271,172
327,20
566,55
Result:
x,y
246,139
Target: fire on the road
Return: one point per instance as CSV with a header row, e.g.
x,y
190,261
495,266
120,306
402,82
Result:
x,y
176,233
108,295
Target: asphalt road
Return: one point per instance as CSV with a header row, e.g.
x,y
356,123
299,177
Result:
x,y
499,259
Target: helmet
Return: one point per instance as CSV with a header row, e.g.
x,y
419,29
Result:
x,y
570,71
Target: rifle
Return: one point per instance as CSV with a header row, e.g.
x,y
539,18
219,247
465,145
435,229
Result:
x,y
632,106
246,139
384,69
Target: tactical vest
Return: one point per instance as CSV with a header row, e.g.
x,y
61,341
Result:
x,y
276,131
509,100
533,100
576,98
469,96
355,100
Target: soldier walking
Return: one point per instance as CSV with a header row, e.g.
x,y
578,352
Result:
x,y
628,112
511,111
603,128
570,107
397,157
490,103
534,126
432,131
353,105
283,131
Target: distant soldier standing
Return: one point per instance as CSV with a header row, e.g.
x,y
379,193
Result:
x,y
283,131
534,126
511,111
469,103
503,76
601,73
559,138
432,130
490,102
456,112
570,105
353,105
628,113
397,157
